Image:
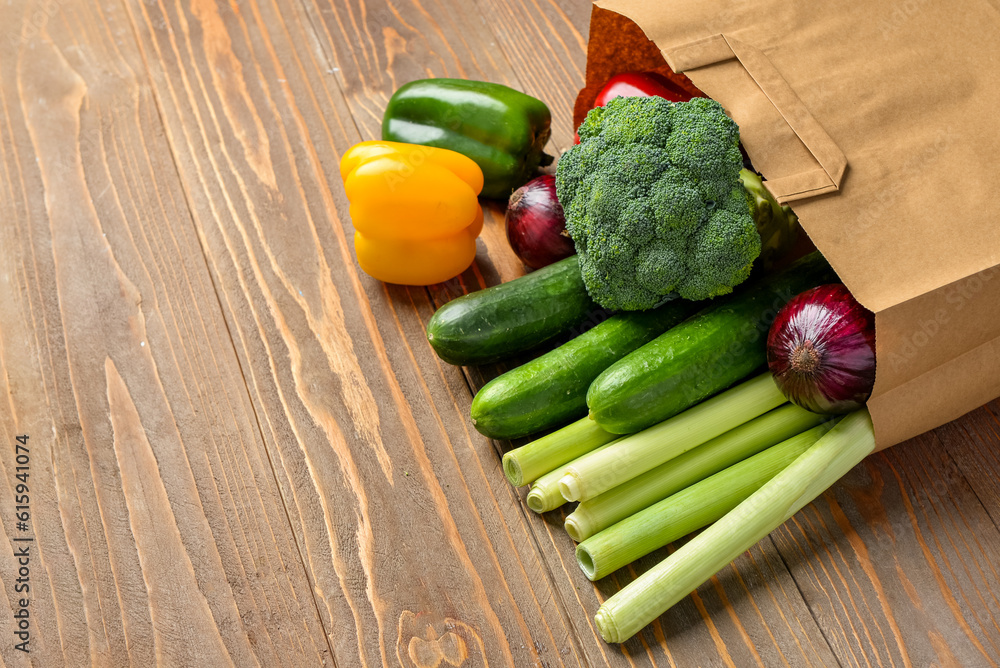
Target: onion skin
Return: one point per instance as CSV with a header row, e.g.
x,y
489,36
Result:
x,y
536,226
821,350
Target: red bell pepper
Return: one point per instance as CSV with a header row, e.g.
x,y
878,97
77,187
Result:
x,y
639,84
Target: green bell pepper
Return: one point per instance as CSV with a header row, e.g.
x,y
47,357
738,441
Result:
x,y
500,128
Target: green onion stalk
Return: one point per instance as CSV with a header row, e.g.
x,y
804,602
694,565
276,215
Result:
x,y
689,509
544,494
597,472
527,463
734,446
656,590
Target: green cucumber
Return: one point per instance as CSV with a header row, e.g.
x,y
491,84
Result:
x,y
491,324
551,390
703,355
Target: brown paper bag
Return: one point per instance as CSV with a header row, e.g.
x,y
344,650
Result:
x,y
877,122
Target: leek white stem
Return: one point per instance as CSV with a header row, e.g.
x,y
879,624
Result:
x,y
633,455
544,494
689,509
672,476
656,590
526,464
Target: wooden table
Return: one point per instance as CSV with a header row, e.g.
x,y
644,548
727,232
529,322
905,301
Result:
x,y
242,450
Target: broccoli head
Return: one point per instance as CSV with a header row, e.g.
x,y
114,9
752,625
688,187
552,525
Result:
x,y
654,202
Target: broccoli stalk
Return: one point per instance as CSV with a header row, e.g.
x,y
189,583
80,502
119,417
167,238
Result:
x,y
777,224
655,204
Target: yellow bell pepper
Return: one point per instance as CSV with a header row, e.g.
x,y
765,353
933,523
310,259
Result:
x,y
415,210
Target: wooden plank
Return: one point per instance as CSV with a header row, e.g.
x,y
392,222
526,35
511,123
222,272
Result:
x,y
375,46
160,535
898,561
444,39
545,42
418,551
971,443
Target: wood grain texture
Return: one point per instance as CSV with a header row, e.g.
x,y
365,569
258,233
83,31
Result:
x,y
374,47
161,535
954,571
367,84
243,438
545,42
418,551
899,561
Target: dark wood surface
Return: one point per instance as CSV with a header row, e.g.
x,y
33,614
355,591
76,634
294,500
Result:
x,y
243,450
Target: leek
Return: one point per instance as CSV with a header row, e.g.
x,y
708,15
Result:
x,y
689,509
672,476
544,494
529,462
597,472
655,591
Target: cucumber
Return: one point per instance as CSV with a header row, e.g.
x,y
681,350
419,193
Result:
x,y
551,390
703,355
491,324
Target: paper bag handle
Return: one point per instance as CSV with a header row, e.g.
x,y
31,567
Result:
x,y
829,173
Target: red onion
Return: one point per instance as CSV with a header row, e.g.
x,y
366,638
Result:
x,y
821,350
536,227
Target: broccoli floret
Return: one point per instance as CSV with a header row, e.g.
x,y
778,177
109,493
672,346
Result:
x,y
629,121
705,145
654,203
